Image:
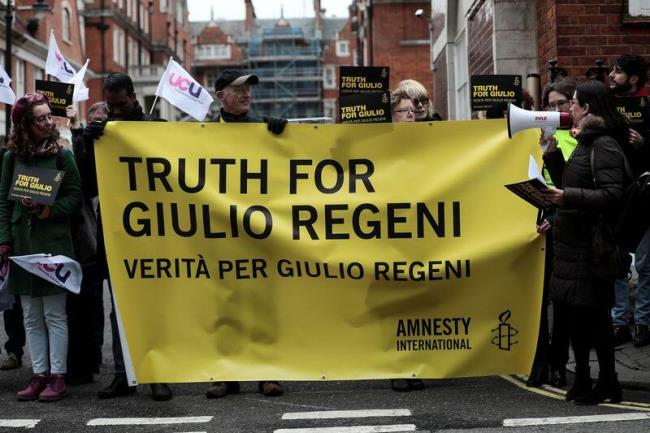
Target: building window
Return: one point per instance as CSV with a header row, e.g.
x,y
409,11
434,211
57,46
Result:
x,y
210,78
329,108
119,54
38,73
163,5
329,77
343,48
211,52
66,24
20,78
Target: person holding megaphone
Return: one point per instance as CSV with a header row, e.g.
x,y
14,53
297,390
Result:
x,y
589,189
556,98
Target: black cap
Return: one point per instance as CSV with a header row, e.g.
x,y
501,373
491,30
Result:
x,y
234,77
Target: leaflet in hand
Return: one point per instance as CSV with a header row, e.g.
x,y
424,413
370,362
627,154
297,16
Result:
x,y
531,189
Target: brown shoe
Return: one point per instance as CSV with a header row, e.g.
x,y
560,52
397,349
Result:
x,y
222,389
12,361
270,388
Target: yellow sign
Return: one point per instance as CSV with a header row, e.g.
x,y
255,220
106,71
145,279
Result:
x,y
328,252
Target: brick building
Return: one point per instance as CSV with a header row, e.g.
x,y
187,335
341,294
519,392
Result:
x,y
137,37
472,37
388,33
32,21
290,56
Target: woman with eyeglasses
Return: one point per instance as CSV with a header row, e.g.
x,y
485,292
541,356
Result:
x,y
556,97
402,107
588,195
27,227
418,94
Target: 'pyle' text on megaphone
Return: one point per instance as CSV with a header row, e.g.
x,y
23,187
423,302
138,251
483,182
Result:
x,y
520,119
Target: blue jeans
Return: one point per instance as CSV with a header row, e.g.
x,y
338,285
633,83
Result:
x,y
642,299
46,327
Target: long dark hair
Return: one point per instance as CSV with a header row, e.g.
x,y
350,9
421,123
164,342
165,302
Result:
x,y
21,141
601,103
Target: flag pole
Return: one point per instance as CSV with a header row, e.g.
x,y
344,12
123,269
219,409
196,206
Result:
x,y
156,99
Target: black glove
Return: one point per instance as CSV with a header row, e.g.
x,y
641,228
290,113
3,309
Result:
x,y
94,130
275,124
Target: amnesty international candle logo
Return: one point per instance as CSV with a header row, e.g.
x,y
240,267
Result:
x,y
503,335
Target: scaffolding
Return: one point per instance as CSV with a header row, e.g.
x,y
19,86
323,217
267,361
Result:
x,y
290,71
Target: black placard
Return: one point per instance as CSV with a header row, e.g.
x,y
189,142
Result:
x,y
634,108
531,191
495,91
358,79
365,108
59,95
38,183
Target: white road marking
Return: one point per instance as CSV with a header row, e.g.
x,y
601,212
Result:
x,y
521,422
355,429
150,421
20,423
329,414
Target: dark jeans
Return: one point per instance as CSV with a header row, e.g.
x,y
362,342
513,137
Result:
x,y
15,328
592,328
556,353
118,356
84,356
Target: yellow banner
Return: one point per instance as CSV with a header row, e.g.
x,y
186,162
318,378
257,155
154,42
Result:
x,y
328,252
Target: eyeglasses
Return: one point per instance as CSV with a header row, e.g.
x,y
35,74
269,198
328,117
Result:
x,y
557,105
405,110
421,101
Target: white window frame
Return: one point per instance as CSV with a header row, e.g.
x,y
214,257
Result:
x,y
342,48
66,27
461,78
20,78
329,108
329,77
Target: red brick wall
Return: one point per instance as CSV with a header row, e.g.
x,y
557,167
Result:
x,y
579,32
393,23
480,38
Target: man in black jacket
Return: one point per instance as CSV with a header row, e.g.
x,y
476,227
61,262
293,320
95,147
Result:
x,y
233,89
119,95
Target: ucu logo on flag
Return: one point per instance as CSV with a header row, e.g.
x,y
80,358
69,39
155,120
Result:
x,y
181,90
185,85
56,271
66,68
61,271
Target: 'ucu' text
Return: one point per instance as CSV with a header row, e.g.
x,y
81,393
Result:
x,y
185,85
57,271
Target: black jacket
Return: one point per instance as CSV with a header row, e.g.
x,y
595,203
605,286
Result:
x,y
572,281
242,118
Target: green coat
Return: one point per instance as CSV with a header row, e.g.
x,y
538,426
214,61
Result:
x,y
27,234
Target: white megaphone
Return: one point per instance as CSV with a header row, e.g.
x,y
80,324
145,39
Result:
x,y
519,119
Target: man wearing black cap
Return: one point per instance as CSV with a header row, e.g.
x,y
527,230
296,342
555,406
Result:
x,y
233,89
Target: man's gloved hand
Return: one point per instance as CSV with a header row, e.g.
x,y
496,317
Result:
x,y
5,250
31,206
94,130
275,124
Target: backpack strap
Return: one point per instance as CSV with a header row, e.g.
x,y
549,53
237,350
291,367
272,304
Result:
x,y
628,169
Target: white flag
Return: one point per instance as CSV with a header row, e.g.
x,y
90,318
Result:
x,y
182,91
56,65
7,95
80,89
59,270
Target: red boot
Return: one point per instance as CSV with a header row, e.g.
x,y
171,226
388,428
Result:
x,y
55,388
35,387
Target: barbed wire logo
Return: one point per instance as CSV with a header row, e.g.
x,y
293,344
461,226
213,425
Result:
x,y
504,334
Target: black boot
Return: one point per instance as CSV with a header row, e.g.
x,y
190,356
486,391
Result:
x,y
118,387
161,392
538,376
581,385
607,388
558,378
